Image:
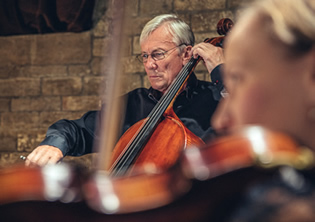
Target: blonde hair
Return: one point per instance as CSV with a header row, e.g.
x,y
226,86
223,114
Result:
x,y
292,22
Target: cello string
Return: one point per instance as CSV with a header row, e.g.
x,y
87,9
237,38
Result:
x,y
154,116
135,146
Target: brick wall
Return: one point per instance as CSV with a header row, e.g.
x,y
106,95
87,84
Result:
x,y
44,78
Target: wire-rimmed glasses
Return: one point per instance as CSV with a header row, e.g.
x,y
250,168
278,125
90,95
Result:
x,y
156,55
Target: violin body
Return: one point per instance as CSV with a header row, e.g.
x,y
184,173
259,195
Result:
x,y
200,186
205,201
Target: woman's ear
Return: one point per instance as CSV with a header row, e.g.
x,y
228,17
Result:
x,y
310,86
313,64
310,79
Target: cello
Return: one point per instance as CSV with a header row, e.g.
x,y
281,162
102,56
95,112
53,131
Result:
x,y
148,141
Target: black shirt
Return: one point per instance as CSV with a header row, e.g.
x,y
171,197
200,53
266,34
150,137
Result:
x,y
194,106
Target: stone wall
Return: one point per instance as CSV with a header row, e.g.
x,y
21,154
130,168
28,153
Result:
x,y
44,78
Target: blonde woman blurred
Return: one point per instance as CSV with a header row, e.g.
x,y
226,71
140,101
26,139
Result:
x,y
269,75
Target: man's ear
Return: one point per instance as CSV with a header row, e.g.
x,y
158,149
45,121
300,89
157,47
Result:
x,y
186,54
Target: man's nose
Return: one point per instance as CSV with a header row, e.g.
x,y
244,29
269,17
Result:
x,y
151,63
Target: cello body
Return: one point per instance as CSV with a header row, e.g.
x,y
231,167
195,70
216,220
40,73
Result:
x,y
163,148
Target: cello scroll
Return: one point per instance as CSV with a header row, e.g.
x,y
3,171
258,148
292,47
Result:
x,y
223,28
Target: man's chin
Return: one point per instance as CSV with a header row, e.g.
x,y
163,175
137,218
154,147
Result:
x,y
159,87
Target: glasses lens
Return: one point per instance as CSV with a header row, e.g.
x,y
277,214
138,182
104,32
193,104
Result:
x,y
155,55
141,58
158,55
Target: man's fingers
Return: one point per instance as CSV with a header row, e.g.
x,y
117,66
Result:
x,y
43,155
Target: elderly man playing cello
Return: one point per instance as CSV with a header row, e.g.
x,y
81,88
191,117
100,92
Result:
x,y
167,44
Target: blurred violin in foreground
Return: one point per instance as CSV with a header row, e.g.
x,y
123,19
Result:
x,y
193,189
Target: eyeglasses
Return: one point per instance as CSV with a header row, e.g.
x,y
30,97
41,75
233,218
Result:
x,y
156,55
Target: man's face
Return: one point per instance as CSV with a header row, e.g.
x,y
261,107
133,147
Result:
x,y
161,73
